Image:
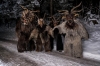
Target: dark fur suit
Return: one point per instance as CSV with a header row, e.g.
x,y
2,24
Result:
x,y
23,30
74,34
41,37
57,37
22,42
51,38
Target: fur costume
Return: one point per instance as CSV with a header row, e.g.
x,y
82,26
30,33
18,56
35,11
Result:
x,y
57,38
41,36
22,42
74,34
24,27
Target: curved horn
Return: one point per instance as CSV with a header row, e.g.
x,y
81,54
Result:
x,y
75,11
36,11
36,16
58,18
63,12
23,7
28,9
54,18
44,15
75,7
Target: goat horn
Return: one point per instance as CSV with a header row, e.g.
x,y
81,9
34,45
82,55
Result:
x,y
75,11
65,13
36,16
44,15
53,17
36,11
62,10
23,7
58,18
75,7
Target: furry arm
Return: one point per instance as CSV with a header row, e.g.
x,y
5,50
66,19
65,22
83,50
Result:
x,y
82,30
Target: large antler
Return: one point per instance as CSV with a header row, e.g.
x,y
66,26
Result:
x,y
73,9
63,12
28,9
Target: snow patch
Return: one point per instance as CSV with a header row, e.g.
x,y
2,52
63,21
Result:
x,y
4,64
41,58
91,56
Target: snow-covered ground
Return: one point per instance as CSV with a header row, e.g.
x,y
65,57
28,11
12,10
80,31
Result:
x,y
92,45
8,33
4,64
91,48
44,58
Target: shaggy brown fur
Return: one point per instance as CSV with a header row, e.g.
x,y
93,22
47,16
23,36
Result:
x,y
70,24
39,46
41,37
24,27
72,42
22,42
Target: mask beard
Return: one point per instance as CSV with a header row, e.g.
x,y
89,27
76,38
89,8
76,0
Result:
x,y
70,25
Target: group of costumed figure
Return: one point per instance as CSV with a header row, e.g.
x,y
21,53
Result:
x,y
35,35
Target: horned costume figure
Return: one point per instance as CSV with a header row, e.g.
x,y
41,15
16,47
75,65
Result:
x,y
41,36
57,36
75,32
24,26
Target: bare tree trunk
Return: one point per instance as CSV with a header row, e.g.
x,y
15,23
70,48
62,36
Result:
x,y
99,9
51,7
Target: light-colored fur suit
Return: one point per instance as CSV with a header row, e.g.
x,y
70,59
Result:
x,y
72,42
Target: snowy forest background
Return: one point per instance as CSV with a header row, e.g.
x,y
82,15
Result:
x,y
10,9
90,17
